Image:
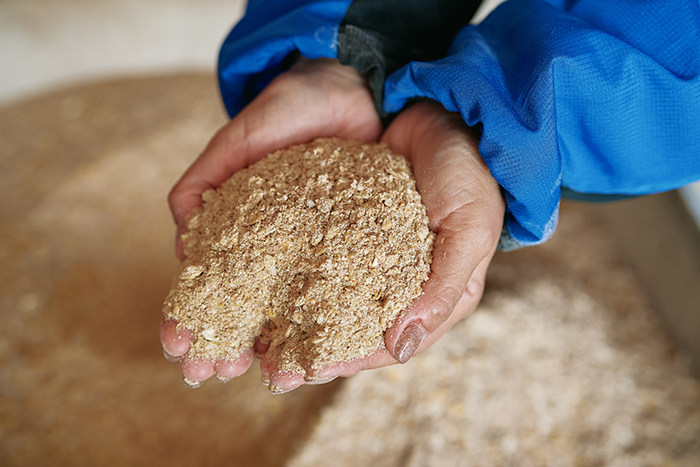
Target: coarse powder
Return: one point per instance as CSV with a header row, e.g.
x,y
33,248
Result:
x,y
315,250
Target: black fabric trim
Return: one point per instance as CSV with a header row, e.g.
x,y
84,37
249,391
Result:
x,y
377,37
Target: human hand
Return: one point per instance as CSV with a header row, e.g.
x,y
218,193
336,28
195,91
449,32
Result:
x,y
314,99
465,209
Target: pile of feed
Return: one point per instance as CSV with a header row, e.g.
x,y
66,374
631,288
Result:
x,y
316,250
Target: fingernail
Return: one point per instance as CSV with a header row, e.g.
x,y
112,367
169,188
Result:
x,y
170,357
318,380
223,379
265,380
191,384
409,341
278,390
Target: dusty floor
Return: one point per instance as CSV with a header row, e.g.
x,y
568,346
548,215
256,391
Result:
x,y
564,364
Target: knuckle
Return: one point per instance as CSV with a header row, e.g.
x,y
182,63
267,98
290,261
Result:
x,y
442,308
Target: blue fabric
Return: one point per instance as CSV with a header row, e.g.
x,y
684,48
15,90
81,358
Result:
x,y
598,96
256,49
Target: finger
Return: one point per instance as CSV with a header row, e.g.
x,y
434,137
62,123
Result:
x,y
196,370
377,359
260,349
465,209
464,308
278,382
225,370
340,369
175,342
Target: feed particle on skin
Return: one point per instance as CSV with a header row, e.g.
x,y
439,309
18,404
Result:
x,y
315,250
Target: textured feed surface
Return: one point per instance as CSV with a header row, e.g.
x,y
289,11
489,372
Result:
x,y
316,250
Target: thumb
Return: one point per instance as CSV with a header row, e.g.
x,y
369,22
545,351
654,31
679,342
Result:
x,y
465,209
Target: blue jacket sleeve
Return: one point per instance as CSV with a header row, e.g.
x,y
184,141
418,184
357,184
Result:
x,y
376,37
588,96
259,47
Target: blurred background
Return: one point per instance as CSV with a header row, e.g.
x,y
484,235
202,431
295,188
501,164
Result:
x,y
584,351
46,44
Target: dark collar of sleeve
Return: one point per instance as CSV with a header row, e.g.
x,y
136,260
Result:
x,y
377,37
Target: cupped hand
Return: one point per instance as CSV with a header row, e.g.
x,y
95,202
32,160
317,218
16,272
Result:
x,y
465,209
314,99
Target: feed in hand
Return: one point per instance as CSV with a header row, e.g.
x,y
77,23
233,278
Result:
x,y
315,250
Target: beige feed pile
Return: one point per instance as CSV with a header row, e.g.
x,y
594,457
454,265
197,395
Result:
x,y
316,249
